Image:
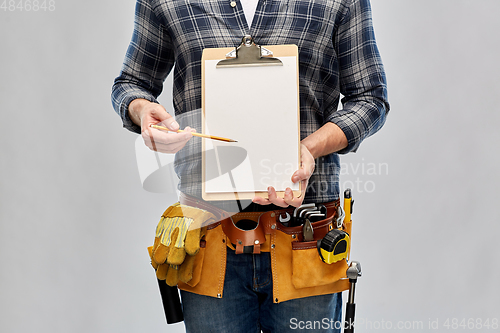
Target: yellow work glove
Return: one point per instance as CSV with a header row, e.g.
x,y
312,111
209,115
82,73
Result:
x,y
177,241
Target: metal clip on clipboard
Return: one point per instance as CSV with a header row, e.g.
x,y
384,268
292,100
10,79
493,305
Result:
x,y
249,54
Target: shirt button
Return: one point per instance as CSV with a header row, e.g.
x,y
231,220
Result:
x,y
233,4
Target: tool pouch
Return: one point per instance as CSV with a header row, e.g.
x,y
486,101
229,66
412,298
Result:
x,y
308,270
297,268
209,265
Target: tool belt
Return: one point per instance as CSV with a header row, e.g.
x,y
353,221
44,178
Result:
x,y
297,269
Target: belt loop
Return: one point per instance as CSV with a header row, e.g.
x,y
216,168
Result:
x,y
239,247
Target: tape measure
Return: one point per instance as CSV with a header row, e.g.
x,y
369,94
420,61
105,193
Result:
x,y
334,246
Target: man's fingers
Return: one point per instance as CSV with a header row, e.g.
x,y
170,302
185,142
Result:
x,y
153,114
159,114
170,123
168,149
162,137
165,146
150,113
165,142
292,200
288,199
307,166
300,175
274,199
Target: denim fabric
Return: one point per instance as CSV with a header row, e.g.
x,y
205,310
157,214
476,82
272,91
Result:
x,y
247,304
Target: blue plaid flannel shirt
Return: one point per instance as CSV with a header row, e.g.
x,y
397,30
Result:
x,y
337,55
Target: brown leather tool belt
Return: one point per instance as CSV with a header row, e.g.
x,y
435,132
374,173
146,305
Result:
x,y
247,231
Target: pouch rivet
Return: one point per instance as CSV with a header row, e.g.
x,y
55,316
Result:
x,y
272,246
273,226
294,236
219,295
257,242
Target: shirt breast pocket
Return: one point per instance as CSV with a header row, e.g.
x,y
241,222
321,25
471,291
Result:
x,y
311,18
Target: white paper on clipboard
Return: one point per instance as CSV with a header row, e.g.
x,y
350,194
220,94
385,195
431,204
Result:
x,y
258,107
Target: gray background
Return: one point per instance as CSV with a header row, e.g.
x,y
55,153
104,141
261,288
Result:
x,y
75,220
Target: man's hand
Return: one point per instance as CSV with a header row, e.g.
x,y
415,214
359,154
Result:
x,y
145,113
302,175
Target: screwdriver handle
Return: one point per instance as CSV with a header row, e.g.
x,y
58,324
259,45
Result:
x,y
348,205
350,310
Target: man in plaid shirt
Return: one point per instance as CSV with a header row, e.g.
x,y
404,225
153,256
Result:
x,y
337,55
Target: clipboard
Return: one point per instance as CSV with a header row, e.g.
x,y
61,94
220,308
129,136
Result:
x,y
250,94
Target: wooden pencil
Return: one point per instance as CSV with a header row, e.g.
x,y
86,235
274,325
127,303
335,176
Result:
x,y
213,137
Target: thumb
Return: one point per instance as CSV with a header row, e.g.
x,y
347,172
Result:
x,y
168,121
157,114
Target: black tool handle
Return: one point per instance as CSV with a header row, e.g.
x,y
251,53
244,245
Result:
x,y
349,318
171,302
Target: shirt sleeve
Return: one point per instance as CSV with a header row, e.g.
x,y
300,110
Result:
x,y
362,77
148,61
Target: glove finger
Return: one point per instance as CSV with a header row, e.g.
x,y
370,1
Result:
x,y
186,269
172,275
153,263
173,237
160,254
169,209
155,249
192,243
203,232
155,244
163,246
162,271
176,256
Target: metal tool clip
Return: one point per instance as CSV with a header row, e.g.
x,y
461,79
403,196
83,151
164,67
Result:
x,y
340,217
308,231
249,54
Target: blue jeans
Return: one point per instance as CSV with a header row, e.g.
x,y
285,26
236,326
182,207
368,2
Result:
x,y
247,304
